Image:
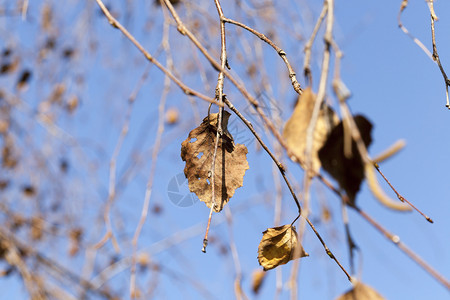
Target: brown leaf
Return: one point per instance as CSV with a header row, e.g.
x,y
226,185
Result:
x,y
75,236
72,104
361,292
29,190
230,166
4,183
172,116
278,246
24,78
57,93
37,227
174,2
348,171
257,280
9,66
295,130
9,154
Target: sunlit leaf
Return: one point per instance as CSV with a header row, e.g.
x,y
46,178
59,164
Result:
x,y
278,246
295,130
72,104
361,292
257,280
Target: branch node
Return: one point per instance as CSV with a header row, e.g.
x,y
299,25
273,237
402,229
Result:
x,y
205,243
113,24
395,239
281,167
181,30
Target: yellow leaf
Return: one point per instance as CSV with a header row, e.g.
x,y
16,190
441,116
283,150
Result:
x,y
230,165
361,292
257,280
278,246
378,192
295,130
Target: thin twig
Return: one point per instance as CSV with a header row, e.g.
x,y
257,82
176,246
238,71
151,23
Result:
x,y
280,166
61,271
241,88
435,53
113,166
237,265
24,9
150,58
328,37
400,197
281,53
166,244
309,43
406,31
156,149
434,56
350,242
396,240
149,188
219,97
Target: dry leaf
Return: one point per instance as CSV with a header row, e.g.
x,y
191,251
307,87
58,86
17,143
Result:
x,y
172,116
72,104
4,183
24,78
75,236
348,171
9,66
361,292
230,165
46,17
173,2
257,280
57,93
29,190
388,153
278,246
36,229
296,127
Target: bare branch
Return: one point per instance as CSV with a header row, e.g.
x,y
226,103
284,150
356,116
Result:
x,y
150,58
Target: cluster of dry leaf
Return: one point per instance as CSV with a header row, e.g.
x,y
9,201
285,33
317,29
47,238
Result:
x,y
279,245
333,149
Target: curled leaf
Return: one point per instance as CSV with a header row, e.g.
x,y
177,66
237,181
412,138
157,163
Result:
x,y
230,164
378,192
361,291
392,150
295,130
347,171
278,246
